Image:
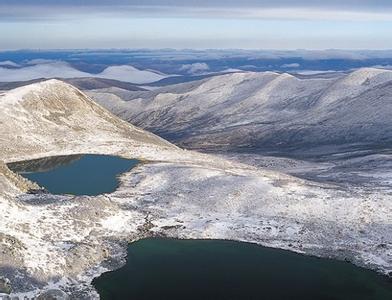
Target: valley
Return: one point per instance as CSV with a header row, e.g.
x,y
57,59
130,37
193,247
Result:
x,y
319,187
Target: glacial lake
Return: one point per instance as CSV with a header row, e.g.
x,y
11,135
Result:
x,y
159,268
76,174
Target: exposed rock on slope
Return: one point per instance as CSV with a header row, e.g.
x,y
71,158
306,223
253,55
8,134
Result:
x,y
18,181
266,111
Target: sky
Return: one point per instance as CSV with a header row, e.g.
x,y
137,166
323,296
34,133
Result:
x,y
199,24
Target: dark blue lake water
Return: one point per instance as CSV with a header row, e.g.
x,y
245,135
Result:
x,y
76,174
211,269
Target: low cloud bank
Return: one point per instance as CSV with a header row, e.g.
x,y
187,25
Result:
x,y
195,68
59,69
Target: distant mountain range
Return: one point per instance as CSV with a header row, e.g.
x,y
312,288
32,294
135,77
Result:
x,y
265,111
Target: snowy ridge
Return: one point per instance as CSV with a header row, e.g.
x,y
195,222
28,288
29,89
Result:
x,y
56,114
16,95
265,110
356,83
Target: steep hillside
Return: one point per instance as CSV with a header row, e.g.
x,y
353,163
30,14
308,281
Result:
x,y
91,83
53,115
266,111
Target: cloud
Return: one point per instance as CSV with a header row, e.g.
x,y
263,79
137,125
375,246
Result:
x,y
195,68
31,10
364,4
48,24
41,61
291,66
56,69
314,72
131,74
387,67
59,69
9,63
222,54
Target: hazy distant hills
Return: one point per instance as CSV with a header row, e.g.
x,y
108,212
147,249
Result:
x,y
265,111
195,62
42,68
89,83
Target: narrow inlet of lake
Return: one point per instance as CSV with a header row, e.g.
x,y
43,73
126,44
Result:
x,y
76,174
159,268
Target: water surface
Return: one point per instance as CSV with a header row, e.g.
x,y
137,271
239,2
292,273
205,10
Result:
x,y
212,269
76,174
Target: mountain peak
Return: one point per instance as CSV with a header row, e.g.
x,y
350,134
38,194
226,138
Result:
x,y
366,77
59,114
40,90
365,73
20,94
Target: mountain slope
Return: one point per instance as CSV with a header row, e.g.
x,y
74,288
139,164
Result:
x,y
266,111
63,241
88,83
55,115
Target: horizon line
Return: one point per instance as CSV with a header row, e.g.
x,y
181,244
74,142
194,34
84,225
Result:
x,y
196,49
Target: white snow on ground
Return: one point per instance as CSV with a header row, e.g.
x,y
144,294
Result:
x,y
264,110
356,83
64,241
271,209
16,95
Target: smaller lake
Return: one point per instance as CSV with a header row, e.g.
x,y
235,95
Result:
x,y
76,174
213,269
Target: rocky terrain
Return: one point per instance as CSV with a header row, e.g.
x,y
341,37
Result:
x,y
62,242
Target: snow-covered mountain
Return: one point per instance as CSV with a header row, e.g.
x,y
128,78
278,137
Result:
x,y
55,114
60,69
265,110
63,241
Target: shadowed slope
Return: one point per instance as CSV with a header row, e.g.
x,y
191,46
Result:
x,y
267,111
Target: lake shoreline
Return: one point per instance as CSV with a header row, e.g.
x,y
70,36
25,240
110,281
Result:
x,y
314,260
